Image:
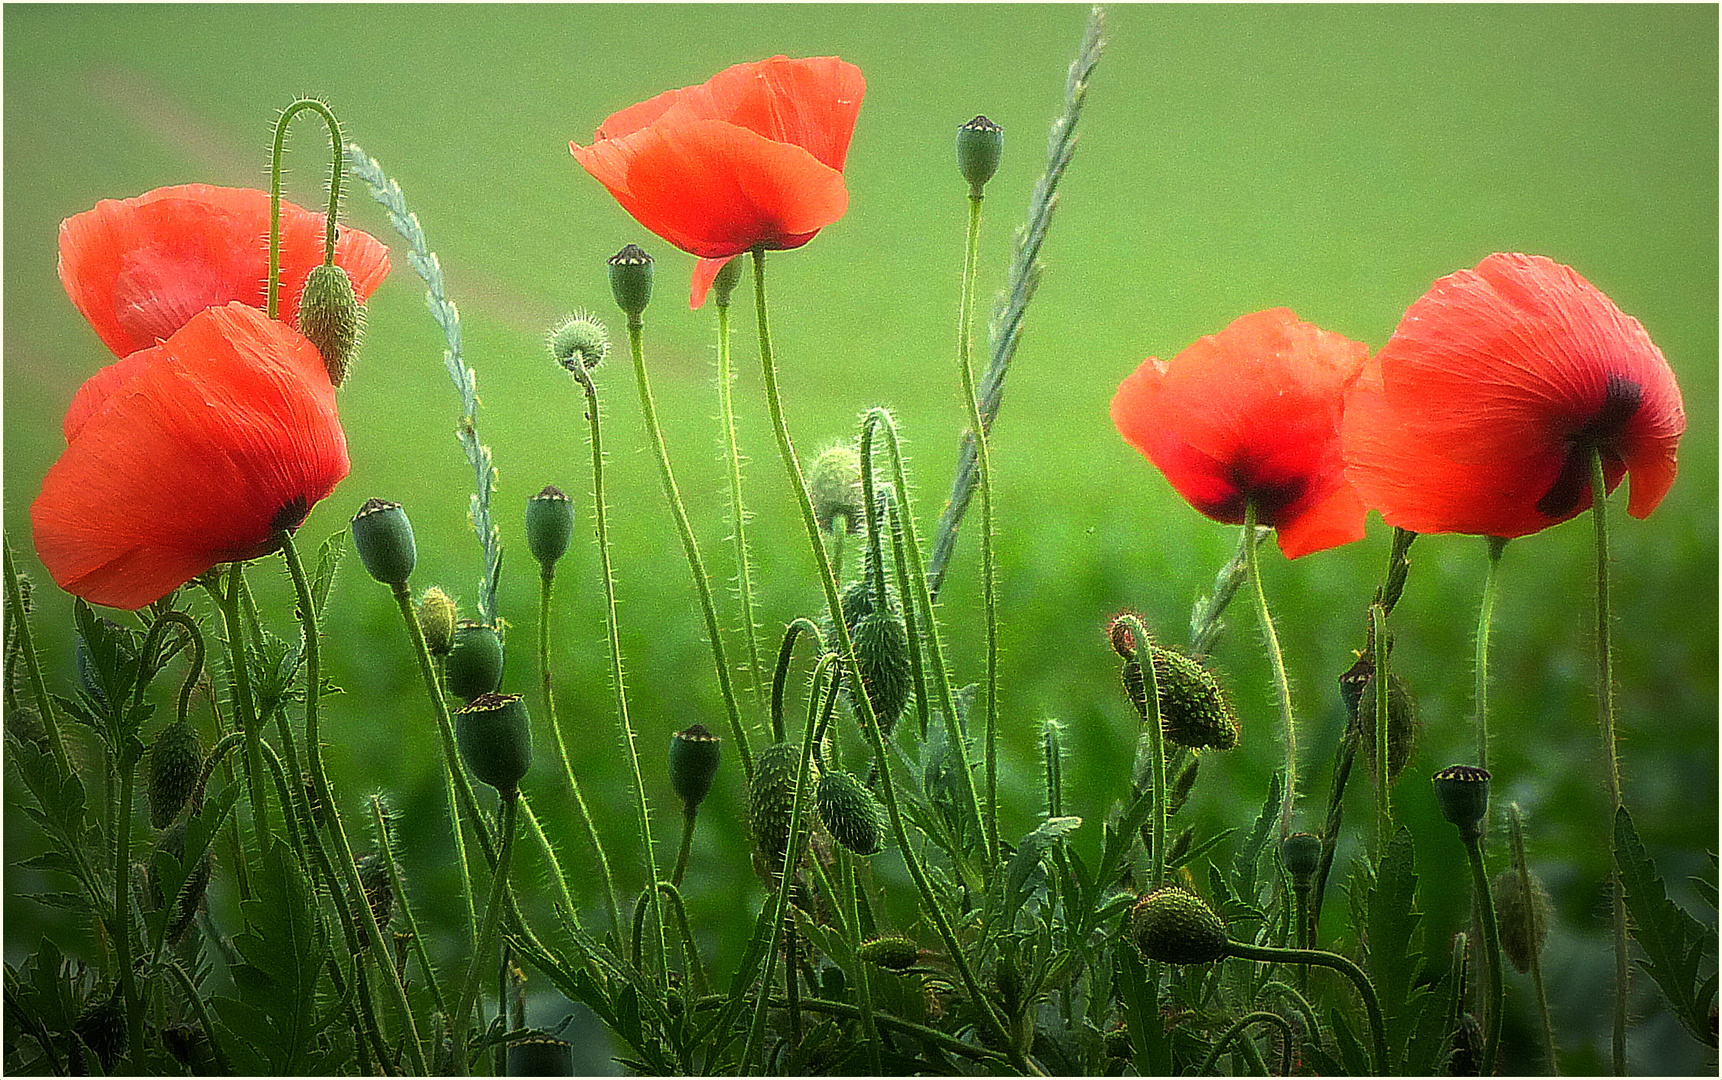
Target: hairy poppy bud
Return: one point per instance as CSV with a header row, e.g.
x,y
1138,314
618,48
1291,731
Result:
x,y
1523,927
384,538
1176,926
694,755
834,488
882,655
191,891
1462,793
331,318
1194,708
771,801
980,144
103,1029
540,1055
580,340
474,664
549,525
379,889
495,738
1300,853
1403,727
437,615
724,284
851,814
175,761
631,280
892,953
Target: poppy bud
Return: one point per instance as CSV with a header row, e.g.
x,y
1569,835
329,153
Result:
x,y
631,280
891,953
834,488
191,891
581,340
175,762
103,1029
331,318
379,889
436,621
474,664
540,1055
1176,926
1403,727
1122,638
980,144
1194,708
549,524
1301,855
1523,928
495,738
882,655
1462,793
771,801
694,755
384,538
724,284
851,814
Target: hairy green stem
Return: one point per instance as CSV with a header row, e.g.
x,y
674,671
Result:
x,y
33,664
1383,750
1491,952
1282,686
1605,719
1365,989
1522,870
492,912
1485,624
738,510
239,669
1156,741
1236,1031
336,171
386,849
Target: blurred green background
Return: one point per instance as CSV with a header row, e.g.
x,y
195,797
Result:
x,y
1335,160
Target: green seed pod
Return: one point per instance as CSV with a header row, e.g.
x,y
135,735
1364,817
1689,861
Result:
x,y
1462,793
495,738
882,655
771,801
549,525
1523,929
724,284
103,1029
694,755
331,318
1403,727
540,1055
980,144
437,615
384,538
892,953
1300,853
851,814
172,841
1175,926
631,280
834,488
474,664
580,340
379,889
175,761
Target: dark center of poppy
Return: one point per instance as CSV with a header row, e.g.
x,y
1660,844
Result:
x,y
1273,496
1621,399
290,516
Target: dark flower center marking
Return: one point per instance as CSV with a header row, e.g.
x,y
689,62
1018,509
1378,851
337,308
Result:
x,y
1273,498
1620,403
290,516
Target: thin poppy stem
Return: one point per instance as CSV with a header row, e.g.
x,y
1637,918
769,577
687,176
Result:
x,y
1365,989
1605,717
120,929
1276,660
738,511
1485,624
33,664
492,913
1236,1031
1383,746
1491,952
1522,871
239,670
386,849
1156,741
337,169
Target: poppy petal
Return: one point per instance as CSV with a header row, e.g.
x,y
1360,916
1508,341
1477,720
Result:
x,y
812,103
705,272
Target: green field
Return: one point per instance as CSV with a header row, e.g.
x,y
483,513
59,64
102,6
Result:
x,y
1335,160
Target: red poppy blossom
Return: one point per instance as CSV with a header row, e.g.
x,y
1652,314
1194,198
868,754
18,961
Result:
x,y
1251,414
751,158
140,268
1480,414
191,453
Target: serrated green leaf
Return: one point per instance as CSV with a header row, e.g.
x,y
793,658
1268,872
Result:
x,y
1706,889
1245,863
282,948
1432,1040
1198,851
1395,950
1352,1057
1673,941
1028,856
329,557
71,901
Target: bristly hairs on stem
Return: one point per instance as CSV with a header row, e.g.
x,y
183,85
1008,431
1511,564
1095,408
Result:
x,y
272,295
1012,303
388,194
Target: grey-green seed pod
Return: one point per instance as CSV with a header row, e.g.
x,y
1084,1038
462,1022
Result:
x,y
1176,926
540,1055
379,889
631,280
437,616
882,655
580,340
834,488
851,814
694,756
771,801
384,538
549,526
1523,929
1403,727
494,734
331,318
474,665
980,145
175,761
1462,793
1300,853
893,953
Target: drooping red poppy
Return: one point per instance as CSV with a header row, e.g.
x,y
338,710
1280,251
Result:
x,y
1251,414
186,455
1480,414
751,158
140,268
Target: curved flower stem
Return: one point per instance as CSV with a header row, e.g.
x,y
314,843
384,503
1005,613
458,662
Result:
x,y
121,927
33,664
562,748
863,984
1156,741
1522,868
492,912
1485,623
738,510
1236,1032
1605,717
584,378
1365,989
1282,686
1491,951
418,945
1383,749
349,872
239,669
336,171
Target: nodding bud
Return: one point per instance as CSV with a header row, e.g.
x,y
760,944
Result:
x,y
1462,793
631,280
882,655
474,664
1122,638
495,738
191,890
1300,853
379,889
1194,708
175,762
834,488
549,525
892,953
694,756
771,801
851,814
1403,727
1523,926
980,144
540,1055
384,538
102,1027
579,340
724,284
1175,926
437,615
331,318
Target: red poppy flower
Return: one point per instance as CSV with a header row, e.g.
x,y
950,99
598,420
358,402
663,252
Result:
x,y
1251,414
1480,414
752,158
140,268
186,455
